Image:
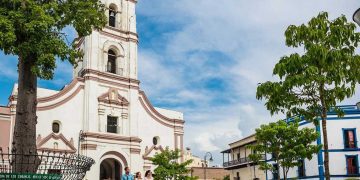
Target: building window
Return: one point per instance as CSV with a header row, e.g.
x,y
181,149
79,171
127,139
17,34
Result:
x,y
301,168
156,140
112,16
111,64
112,124
352,166
237,176
349,138
55,127
275,172
238,156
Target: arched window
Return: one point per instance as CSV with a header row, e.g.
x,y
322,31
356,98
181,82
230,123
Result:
x,y
111,64
112,16
156,140
55,127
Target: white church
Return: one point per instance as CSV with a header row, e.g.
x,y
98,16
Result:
x,y
102,113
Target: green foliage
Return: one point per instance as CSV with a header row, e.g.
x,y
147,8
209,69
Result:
x,y
227,177
32,29
286,142
168,166
323,75
313,82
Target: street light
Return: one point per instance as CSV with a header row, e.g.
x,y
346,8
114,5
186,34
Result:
x,y
211,159
356,16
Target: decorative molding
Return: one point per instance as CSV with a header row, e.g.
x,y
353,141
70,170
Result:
x,y
109,75
134,1
117,154
143,96
123,32
148,151
127,39
48,107
60,136
114,137
135,151
176,124
111,82
4,110
88,146
62,92
117,99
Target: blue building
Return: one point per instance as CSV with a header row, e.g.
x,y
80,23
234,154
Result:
x,y
344,149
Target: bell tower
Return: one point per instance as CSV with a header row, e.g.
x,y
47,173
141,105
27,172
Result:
x,y
114,48
109,66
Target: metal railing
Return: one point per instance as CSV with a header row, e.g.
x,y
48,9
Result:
x,y
57,164
244,160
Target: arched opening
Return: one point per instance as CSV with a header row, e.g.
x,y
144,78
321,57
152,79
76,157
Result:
x,y
55,127
112,15
111,64
110,168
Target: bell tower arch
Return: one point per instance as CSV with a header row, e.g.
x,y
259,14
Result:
x,y
118,36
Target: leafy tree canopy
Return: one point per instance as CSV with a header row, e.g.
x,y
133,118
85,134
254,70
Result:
x,y
168,166
324,74
286,142
32,29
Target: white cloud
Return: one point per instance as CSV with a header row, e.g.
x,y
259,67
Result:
x,y
250,33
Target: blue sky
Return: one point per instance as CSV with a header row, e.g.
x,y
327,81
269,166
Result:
x,y
205,59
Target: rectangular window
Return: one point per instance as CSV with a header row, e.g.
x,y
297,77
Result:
x,y
275,173
112,124
238,156
301,168
349,138
352,166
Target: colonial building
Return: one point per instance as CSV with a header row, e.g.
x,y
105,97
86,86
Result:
x,y
196,161
236,160
103,113
343,135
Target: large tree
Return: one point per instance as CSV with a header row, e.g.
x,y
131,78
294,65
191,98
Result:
x,y
286,142
323,74
168,167
33,30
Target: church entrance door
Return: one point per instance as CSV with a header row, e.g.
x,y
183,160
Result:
x,y
110,169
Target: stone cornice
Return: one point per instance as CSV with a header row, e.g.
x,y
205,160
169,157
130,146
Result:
x,y
109,75
61,137
114,137
57,104
177,124
62,92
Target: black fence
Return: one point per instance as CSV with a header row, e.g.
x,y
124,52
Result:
x,y
47,164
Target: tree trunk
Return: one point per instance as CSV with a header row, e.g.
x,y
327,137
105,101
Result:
x,y
284,173
324,130
24,137
326,147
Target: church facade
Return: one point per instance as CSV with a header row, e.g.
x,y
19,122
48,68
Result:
x,y
102,113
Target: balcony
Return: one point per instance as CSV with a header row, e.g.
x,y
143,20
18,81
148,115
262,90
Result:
x,y
241,161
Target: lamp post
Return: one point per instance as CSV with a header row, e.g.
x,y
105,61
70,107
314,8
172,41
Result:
x,y
205,157
356,16
81,138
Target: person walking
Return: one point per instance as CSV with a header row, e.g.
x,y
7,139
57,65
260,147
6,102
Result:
x,y
127,175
